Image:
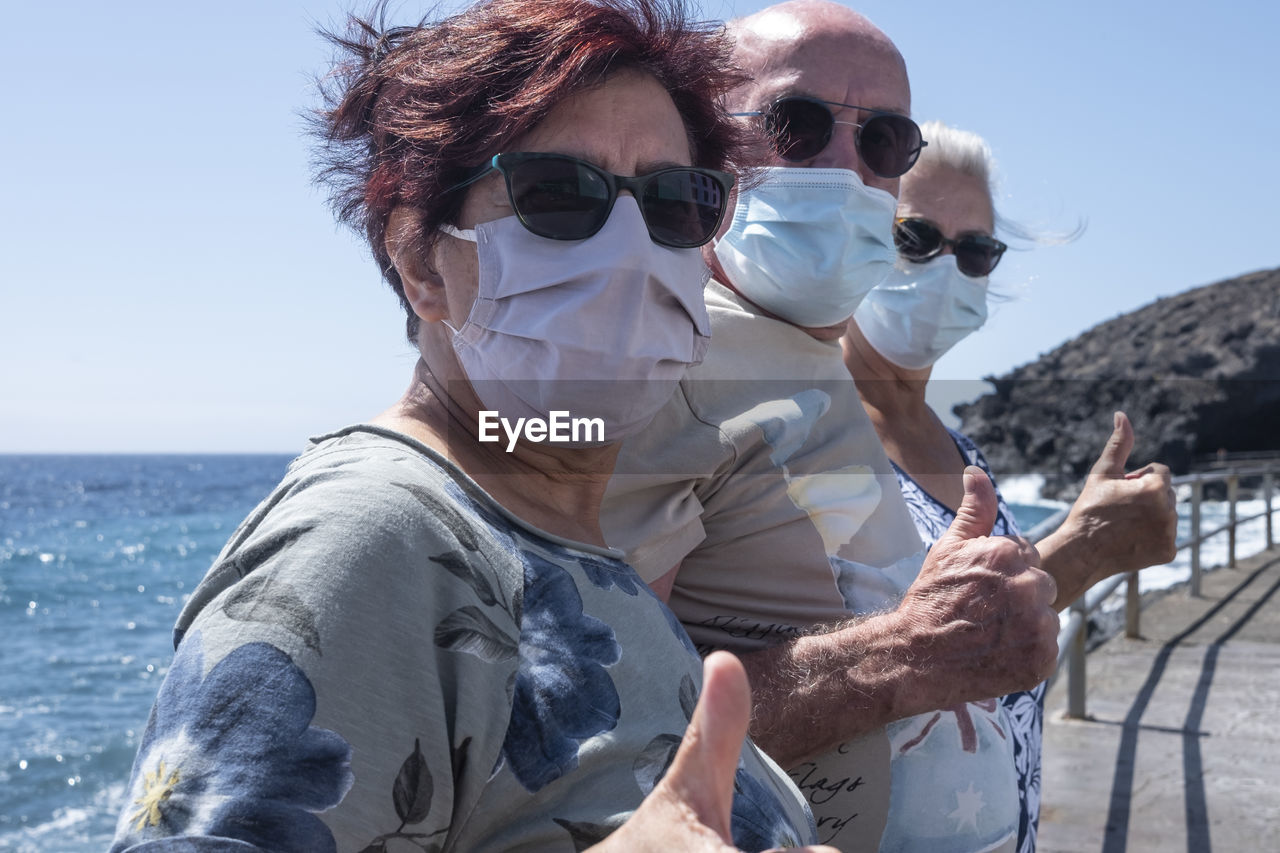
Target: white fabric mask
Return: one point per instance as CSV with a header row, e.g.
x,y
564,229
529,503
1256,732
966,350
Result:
x,y
922,310
600,328
808,244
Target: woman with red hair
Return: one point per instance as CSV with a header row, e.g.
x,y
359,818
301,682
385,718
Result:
x,y
419,640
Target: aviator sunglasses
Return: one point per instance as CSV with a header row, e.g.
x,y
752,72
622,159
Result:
x,y
918,240
564,198
801,127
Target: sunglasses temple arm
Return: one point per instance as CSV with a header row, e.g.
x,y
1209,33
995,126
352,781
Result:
x,y
481,171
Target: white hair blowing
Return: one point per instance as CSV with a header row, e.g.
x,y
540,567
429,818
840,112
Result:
x,y
969,154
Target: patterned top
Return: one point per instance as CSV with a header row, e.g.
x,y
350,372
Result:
x,y
1025,708
383,658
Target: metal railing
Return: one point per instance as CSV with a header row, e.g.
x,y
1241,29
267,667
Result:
x,y
1073,637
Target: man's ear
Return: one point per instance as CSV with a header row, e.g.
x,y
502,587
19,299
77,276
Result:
x,y
423,286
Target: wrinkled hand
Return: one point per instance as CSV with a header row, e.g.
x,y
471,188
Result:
x,y
1119,523
1130,519
978,621
690,808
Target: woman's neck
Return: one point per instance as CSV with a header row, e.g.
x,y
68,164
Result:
x,y
555,489
912,434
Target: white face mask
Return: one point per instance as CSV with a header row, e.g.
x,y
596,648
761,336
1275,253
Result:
x,y
922,310
807,244
598,328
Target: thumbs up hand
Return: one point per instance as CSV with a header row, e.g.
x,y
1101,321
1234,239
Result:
x,y
977,513
977,621
690,809
1115,452
1121,521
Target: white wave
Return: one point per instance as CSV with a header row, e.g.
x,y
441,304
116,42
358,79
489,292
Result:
x,y
1025,489
69,826
73,827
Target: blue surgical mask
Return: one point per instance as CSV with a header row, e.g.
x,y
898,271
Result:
x,y
922,310
808,244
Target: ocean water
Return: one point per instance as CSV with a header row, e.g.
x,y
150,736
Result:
x,y
97,555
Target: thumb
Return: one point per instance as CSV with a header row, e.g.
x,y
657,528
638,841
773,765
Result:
x,y
1115,454
977,512
704,768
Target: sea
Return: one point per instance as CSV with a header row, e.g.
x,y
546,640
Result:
x,y
97,556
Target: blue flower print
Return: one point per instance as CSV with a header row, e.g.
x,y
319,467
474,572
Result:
x,y
606,574
563,695
678,629
603,572
758,821
234,755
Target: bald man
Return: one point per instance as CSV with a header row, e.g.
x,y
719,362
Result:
x,y
762,504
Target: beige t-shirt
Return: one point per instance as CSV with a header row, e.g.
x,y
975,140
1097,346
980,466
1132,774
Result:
x,y
764,479
764,458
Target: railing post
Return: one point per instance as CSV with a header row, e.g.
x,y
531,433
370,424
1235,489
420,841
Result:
x,y
1267,484
1076,663
1197,492
1233,493
1132,598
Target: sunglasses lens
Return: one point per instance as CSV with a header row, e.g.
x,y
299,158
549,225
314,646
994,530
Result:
x,y
800,128
567,199
682,207
916,239
978,256
889,144
559,198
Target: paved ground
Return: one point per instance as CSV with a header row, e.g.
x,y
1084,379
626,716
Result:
x,y
1182,750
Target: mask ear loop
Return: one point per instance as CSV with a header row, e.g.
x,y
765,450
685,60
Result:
x,y
468,234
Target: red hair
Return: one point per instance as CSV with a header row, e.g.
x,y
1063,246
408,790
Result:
x,y
410,110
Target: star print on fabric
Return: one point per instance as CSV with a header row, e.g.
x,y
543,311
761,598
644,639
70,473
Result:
x,y
157,788
968,804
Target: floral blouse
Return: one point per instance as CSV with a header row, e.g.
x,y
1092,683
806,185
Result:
x,y
382,659
1025,709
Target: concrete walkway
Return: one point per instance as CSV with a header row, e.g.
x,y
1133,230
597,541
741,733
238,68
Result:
x,y
1181,751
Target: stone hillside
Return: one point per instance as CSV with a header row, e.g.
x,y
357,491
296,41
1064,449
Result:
x,y
1197,373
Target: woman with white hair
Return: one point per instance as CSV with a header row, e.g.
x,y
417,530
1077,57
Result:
x,y
936,296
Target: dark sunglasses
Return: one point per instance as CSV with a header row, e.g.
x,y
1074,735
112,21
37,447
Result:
x,y
801,127
565,198
918,240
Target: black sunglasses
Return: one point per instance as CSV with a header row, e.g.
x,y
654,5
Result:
x,y
565,198
918,240
889,143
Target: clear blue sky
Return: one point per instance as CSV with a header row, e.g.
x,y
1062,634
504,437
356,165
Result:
x,y
170,281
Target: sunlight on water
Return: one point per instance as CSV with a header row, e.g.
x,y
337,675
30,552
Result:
x,y
97,555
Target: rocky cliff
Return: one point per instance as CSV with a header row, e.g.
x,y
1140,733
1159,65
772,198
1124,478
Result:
x,y
1197,373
